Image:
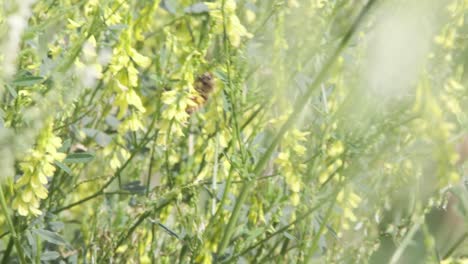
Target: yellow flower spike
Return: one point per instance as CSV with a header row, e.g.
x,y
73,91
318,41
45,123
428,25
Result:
x,y
336,149
334,166
41,176
25,179
230,6
122,249
26,196
354,200
295,199
299,149
169,113
132,75
250,16
47,169
40,192
114,162
135,124
348,213
132,123
139,59
73,24
35,182
22,208
235,30
289,163
135,100
299,135
454,177
283,156
36,166
169,97
340,196
294,184
174,158
223,142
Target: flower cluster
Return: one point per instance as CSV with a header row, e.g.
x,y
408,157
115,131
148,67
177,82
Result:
x,y
126,80
434,128
176,103
348,201
180,98
333,151
290,162
37,165
234,29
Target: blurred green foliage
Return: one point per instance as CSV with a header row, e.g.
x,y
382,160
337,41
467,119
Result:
x,y
329,137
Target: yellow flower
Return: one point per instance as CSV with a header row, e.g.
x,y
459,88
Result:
x,y
117,154
126,98
37,165
290,163
336,149
349,201
132,123
139,59
235,30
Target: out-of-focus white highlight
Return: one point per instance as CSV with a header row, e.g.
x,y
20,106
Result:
x,y
10,46
397,49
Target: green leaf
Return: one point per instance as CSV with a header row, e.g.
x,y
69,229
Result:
x,y
30,239
49,255
56,225
27,80
65,145
254,234
64,167
82,157
288,235
50,237
222,76
12,91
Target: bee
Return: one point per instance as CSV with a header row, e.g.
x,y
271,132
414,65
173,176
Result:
x,y
204,85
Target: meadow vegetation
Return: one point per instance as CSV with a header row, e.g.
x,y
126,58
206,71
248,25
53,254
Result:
x,y
233,131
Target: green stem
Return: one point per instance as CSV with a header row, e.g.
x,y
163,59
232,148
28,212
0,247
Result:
x,y
38,249
300,218
7,252
314,245
18,247
162,203
150,169
229,229
455,246
406,241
